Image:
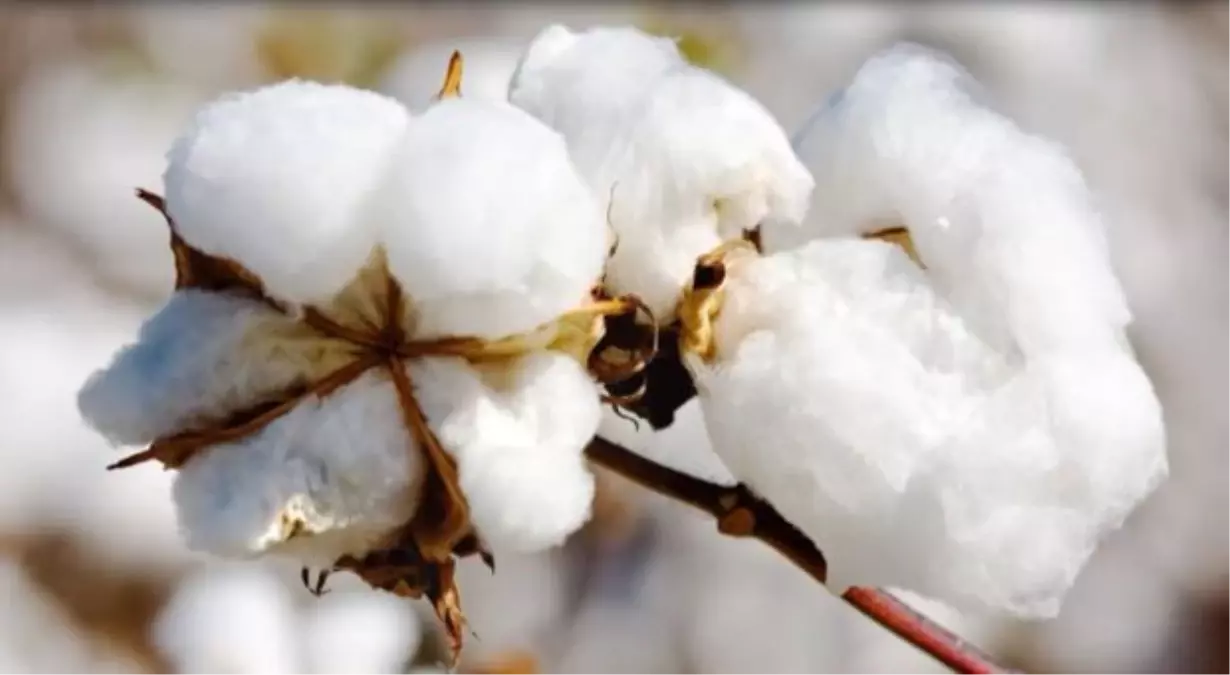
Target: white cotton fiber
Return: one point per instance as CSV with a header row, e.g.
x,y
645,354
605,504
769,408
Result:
x,y
849,393
328,479
518,434
591,85
276,179
200,358
685,158
1003,219
487,225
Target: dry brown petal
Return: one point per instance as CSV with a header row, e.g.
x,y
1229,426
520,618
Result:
x,y
900,236
198,270
702,299
452,78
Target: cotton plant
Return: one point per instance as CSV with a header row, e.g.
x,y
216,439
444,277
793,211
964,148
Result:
x,y
393,332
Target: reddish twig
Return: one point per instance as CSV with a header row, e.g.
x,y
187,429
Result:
x,y
740,513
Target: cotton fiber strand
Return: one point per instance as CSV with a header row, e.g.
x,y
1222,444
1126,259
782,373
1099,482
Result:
x,y
685,159
970,431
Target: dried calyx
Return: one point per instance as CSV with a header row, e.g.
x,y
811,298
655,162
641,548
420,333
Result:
x,y
367,324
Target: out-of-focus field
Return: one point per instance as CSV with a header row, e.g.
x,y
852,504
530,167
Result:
x,y
94,578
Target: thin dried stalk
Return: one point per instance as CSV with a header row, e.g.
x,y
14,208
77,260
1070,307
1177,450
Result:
x,y
739,513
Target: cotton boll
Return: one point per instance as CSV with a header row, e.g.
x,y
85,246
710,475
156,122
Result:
x,y
686,159
327,479
278,180
361,632
518,436
78,138
229,619
200,358
487,225
887,431
489,64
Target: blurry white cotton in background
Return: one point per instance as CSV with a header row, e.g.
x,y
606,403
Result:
x,y
80,138
230,618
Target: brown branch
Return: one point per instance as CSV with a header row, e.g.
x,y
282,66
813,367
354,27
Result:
x,y
740,513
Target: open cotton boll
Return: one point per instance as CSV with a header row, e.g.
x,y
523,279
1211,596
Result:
x,y
229,618
686,159
328,479
1003,219
487,225
489,64
360,633
277,179
914,454
518,435
200,358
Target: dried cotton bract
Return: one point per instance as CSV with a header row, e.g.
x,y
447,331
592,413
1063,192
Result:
x,y
373,358
686,159
969,430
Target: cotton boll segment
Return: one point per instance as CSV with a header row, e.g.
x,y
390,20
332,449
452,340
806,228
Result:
x,y
518,436
200,358
686,159
1002,219
487,225
328,479
277,179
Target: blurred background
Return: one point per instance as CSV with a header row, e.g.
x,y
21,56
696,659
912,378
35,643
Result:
x,y
94,578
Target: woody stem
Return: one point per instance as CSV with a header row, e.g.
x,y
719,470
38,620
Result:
x,y
740,513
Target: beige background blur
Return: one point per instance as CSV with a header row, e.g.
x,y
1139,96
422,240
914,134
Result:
x,y
93,578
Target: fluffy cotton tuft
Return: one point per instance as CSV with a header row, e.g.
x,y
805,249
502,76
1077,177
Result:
x,y
200,358
518,435
487,224
970,431
328,479
277,178
685,158
1003,218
